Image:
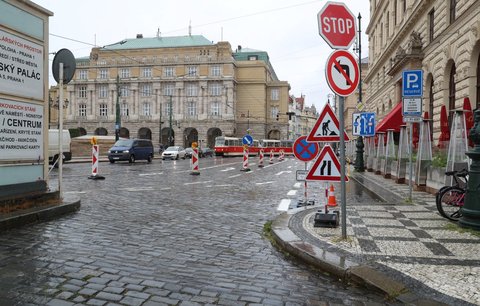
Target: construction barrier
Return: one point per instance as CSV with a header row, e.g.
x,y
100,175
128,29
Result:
x,y
260,161
245,159
271,157
95,153
281,156
194,161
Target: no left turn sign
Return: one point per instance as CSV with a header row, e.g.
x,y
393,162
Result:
x,y
342,73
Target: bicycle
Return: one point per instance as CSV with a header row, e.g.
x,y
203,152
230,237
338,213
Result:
x,y
450,199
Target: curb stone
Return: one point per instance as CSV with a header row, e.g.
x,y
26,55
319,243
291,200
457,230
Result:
x,y
339,266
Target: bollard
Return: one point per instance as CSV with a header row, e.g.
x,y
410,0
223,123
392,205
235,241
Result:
x,y
260,161
245,159
194,161
95,150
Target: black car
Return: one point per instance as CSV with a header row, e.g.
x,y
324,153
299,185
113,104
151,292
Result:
x,y
206,152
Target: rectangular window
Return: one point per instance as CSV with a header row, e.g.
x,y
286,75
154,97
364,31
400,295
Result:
x,y
124,109
395,12
431,25
146,109
167,107
82,110
215,111
274,111
103,110
215,70
147,72
191,90
169,89
169,71
253,57
82,74
453,7
192,108
192,70
103,91
82,91
124,73
103,74
146,90
275,94
215,89
124,91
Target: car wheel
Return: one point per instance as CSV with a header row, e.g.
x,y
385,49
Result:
x,y
176,157
149,158
131,159
163,158
111,161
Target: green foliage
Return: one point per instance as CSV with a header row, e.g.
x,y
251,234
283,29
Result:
x,y
74,132
439,160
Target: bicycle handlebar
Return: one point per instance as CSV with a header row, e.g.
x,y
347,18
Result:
x,y
457,173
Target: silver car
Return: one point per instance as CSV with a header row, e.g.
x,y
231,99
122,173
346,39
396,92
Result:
x,y
174,152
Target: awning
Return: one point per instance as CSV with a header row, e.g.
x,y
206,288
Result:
x,y
391,121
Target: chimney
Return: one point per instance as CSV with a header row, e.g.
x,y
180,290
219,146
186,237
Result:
x,y
139,35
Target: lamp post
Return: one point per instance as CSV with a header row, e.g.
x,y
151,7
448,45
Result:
x,y
170,121
55,104
117,111
359,163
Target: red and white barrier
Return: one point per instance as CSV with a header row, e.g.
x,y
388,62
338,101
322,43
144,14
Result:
x,y
194,162
260,160
282,155
95,153
245,159
271,157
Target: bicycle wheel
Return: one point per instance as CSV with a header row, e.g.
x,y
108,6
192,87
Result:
x,y
450,202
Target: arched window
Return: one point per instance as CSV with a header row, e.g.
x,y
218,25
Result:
x,y
451,94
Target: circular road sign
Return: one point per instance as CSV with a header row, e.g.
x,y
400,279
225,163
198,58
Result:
x,y
342,73
66,57
336,25
304,150
247,140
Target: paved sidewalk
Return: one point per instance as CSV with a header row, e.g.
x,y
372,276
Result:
x,y
406,250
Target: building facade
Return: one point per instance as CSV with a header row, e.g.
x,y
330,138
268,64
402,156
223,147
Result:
x,y
442,38
175,90
302,118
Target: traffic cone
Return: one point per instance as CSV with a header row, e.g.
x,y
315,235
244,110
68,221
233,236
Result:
x,y
332,201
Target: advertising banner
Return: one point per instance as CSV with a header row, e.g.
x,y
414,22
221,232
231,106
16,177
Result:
x,y
21,67
21,130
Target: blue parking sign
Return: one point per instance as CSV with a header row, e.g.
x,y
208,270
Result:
x,y
412,83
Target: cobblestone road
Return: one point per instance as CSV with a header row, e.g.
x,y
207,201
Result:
x,y
151,234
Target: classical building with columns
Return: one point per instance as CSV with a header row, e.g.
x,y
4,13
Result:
x,y
177,90
440,37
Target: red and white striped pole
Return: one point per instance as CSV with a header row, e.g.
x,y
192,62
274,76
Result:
x,y
282,155
260,161
95,150
194,161
271,157
245,159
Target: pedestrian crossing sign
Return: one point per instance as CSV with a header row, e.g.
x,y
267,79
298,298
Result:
x,y
326,167
326,129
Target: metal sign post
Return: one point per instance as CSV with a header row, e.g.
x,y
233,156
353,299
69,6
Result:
x,y
343,194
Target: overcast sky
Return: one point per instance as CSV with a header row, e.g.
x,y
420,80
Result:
x,y
286,29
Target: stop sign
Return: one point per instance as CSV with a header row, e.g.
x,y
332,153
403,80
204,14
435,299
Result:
x,y
336,24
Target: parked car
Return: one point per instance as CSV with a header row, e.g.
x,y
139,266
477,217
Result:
x,y
131,150
54,146
188,152
174,152
206,152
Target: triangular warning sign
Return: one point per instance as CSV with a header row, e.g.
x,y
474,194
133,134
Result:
x,y
326,128
326,167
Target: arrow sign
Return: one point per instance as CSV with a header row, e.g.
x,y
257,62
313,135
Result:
x,y
326,167
342,73
326,128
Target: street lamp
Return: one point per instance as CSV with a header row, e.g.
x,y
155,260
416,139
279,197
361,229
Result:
x,y
55,104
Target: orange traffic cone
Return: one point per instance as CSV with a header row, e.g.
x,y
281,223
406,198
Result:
x,y
332,201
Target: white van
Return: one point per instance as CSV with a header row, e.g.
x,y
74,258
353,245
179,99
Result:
x,y
54,148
